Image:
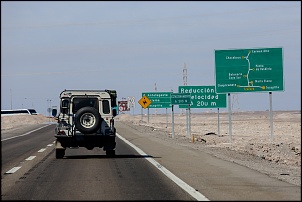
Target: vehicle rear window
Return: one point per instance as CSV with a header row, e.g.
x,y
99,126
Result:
x,y
106,106
79,103
32,111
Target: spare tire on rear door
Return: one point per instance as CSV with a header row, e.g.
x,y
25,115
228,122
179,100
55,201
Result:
x,y
87,120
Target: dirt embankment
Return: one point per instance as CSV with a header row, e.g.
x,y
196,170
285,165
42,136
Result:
x,y
16,121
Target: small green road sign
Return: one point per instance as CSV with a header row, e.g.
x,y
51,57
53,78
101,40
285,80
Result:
x,y
158,99
203,97
180,98
249,70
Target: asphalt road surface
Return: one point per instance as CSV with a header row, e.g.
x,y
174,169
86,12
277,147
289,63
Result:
x,y
82,174
147,169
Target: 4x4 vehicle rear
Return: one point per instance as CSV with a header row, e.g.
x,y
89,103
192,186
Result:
x,y
86,119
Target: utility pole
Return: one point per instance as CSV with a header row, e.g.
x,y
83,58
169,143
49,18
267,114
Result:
x,y
184,74
184,78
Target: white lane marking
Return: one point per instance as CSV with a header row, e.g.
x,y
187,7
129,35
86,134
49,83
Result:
x,y
190,190
41,150
49,145
25,133
14,169
30,158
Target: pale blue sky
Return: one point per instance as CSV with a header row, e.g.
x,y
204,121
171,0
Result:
x,y
129,46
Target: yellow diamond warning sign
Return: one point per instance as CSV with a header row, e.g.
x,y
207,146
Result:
x,y
144,102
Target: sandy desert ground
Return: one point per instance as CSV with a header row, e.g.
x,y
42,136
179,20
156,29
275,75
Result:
x,y
251,142
17,121
250,132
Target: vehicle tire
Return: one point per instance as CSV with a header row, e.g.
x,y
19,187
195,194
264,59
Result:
x,y
87,120
110,153
90,148
60,153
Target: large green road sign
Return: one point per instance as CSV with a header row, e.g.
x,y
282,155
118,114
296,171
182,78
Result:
x,y
159,99
203,97
249,70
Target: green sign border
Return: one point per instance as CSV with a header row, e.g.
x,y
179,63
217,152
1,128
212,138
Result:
x,y
249,70
158,99
204,97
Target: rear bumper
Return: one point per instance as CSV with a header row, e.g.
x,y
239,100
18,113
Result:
x,y
107,141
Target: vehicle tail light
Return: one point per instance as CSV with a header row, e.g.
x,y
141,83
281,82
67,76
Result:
x,y
61,133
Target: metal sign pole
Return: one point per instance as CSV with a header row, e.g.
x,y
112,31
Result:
x,y
148,115
271,114
189,121
172,122
230,119
218,123
166,117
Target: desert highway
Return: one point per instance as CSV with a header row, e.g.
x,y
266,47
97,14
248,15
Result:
x,y
143,169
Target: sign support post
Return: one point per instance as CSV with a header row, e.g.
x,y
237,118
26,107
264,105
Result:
x,y
218,123
230,119
271,114
179,98
172,122
189,123
148,115
166,117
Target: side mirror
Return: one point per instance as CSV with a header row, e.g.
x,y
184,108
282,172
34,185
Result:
x,y
114,112
54,112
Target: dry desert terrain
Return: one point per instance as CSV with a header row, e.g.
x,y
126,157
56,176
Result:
x,y
251,143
